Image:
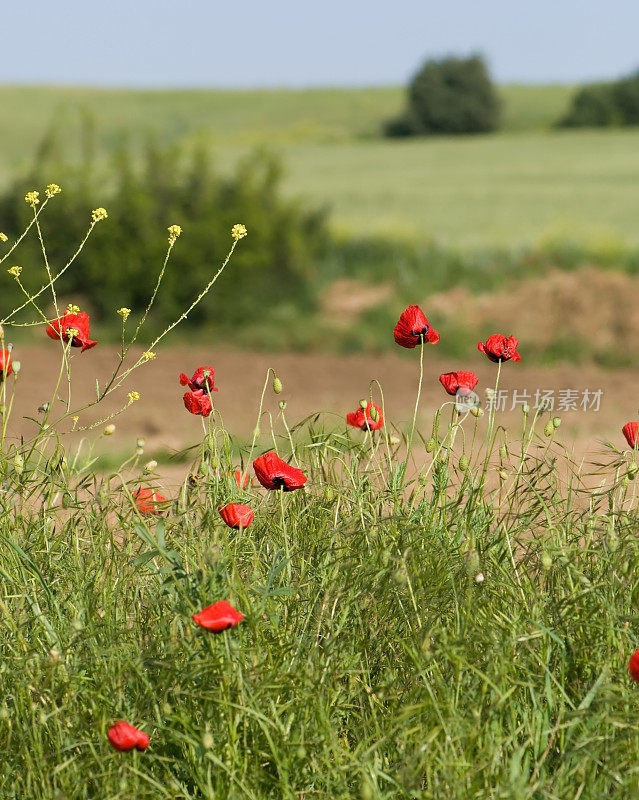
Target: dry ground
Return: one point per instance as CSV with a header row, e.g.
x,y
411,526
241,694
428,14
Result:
x,y
311,382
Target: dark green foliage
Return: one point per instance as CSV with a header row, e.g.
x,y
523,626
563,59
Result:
x,y
453,95
120,263
593,106
604,104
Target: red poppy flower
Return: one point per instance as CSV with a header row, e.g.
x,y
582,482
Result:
x,y
203,378
273,473
413,327
236,515
149,502
500,348
453,381
5,364
633,666
362,418
218,617
74,327
242,479
198,403
631,431
125,737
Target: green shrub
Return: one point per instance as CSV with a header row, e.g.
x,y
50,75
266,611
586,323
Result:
x,y
592,106
453,95
148,192
604,104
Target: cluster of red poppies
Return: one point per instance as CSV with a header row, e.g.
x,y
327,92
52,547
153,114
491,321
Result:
x,y
271,471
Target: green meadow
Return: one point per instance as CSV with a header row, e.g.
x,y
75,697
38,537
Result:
x,y
529,184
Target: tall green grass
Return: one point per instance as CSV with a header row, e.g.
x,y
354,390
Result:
x,y
448,614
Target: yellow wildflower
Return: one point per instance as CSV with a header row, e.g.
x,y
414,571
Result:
x,y
15,271
32,198
174,232
148,355
238,231
98,214
3,237
124,313
72,309
133,396
52,189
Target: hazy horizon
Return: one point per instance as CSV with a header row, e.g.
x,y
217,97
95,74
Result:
x,y
153,44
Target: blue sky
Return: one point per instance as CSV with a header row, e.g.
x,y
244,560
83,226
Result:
x,y
270,43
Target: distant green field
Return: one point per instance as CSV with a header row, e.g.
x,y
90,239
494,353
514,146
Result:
x,y
527,184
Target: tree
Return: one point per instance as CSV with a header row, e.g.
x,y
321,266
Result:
x,y
449,96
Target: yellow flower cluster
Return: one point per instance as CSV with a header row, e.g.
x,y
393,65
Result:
x,y
238,231
98,214
124,313
52,189
15,271
3,237
133,396
32,198
174,232
148,356
73,309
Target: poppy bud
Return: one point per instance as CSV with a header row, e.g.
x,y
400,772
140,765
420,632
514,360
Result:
x,y
16,366
430,445
463,463
363,403
503,474
256,431
150,466
525,408
546,560
140,442
503,452
282,405
633,469
479,578
472,562
476,411
612,541
549,428
395,440
625,481
374,414
207,741
109,430
556,422
18,463
277,385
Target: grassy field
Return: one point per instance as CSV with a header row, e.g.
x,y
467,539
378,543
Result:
x,y
460,629
521,186
525,185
